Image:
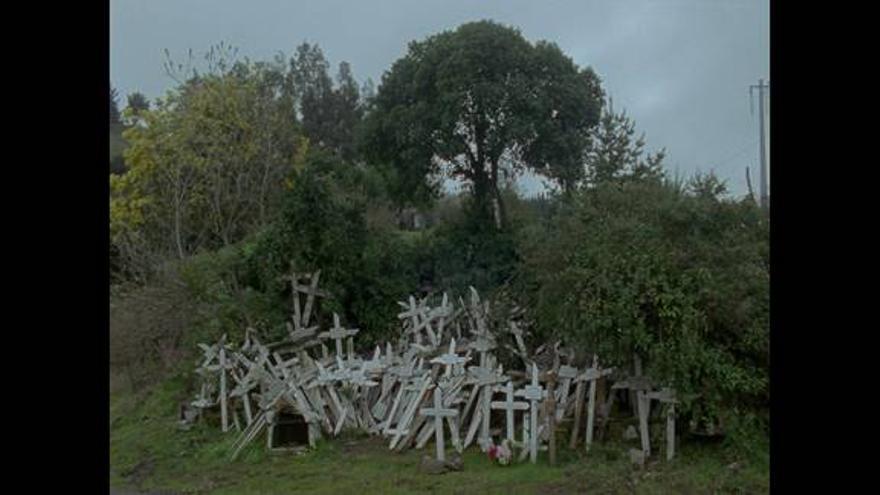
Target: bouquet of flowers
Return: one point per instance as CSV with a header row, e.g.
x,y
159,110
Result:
x,y
500,453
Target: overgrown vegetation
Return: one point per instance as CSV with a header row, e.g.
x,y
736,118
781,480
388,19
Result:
x,y
249,169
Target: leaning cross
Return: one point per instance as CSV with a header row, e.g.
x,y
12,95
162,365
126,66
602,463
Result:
x,y
311,291
412,312
509,405
300,333
439,412
590,375
566,374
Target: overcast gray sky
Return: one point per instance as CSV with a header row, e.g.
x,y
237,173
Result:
x,y
680,68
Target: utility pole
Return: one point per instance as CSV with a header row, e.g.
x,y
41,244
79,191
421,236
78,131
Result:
x,y
763,189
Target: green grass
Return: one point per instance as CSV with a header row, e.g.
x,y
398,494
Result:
x,y
148,453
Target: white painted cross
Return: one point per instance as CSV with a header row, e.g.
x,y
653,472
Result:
x,y
533,393
450,359
667,396
338,334
311,291
439,412
509,405
590,375
566,375
484,380
299,334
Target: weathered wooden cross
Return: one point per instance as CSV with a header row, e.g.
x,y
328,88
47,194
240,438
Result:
x,y
667,396
439,412
337,333
590,375
509,405
450,359
533,393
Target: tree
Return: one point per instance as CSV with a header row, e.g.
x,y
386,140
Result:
x,y
478,102
616,153
114,106
329,114
137,102
207,166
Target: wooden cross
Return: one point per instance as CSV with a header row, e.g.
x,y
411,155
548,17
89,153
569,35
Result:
x,y
483,345
640,385
450,359
311,292
550,405
299,334
450,387
442,312
667,396
533,393
509,405
420,318
484,380
439,412
566,374
338,334
518,336
590,375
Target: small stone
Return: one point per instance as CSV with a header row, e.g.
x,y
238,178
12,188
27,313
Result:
x,y
430,465
637,457
455,463
630,433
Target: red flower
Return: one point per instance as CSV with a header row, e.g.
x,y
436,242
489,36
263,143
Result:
x,y
493,452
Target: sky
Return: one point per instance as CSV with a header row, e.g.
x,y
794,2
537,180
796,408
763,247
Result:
x,y
680,68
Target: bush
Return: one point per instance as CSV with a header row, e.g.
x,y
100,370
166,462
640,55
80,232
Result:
x,y
366,266
681,279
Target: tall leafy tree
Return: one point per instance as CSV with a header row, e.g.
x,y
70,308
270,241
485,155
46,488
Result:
x,y
477,103
617,153
207,166
330,114
137,102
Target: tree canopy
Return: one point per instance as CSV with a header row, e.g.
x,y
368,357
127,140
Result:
x,y
478,102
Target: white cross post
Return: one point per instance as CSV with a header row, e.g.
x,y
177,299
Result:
x,y
450,359
439,412
484,380
667,396
509,405
311,291
591,375
566,374
412,312
533,393
338,334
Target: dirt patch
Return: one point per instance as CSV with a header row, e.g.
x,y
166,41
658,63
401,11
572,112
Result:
x,y
366,446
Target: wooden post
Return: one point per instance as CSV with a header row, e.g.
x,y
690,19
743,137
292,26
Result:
x,y
551,416
533,393
223,412
578,411
670,432
644,405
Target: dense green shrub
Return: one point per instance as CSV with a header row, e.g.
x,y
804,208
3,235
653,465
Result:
x,y
680,278
467,250
325,225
